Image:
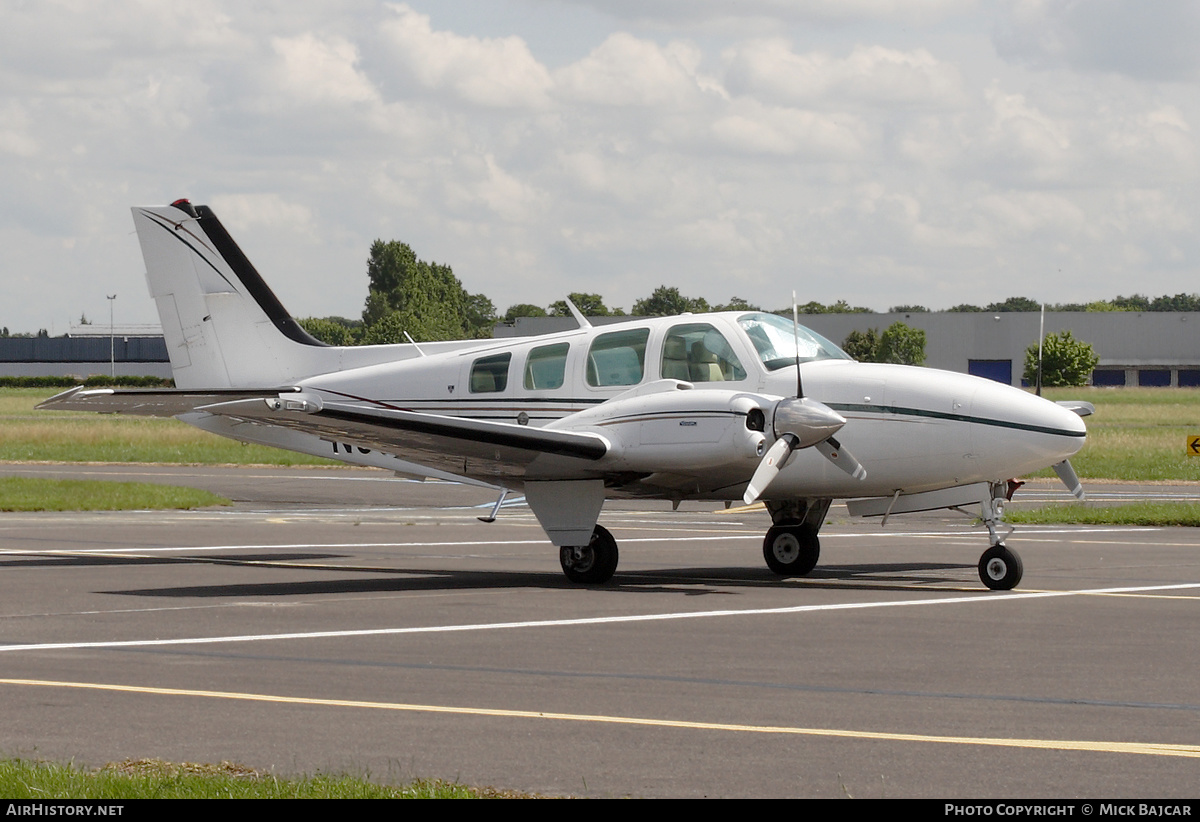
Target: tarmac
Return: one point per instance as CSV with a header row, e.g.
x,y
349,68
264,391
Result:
x,y
349,621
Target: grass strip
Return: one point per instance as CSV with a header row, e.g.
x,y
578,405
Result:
x,y
39,494
1134,513
156,779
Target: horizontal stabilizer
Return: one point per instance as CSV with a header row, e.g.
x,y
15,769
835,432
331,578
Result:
x,y
1081,407
151,402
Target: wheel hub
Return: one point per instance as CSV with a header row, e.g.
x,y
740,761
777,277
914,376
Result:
x,y
579,558
997,568
786,548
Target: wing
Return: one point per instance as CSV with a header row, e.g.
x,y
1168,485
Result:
x,y
468,447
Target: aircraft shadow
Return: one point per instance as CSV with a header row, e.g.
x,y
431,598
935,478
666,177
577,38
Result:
x,y
682,581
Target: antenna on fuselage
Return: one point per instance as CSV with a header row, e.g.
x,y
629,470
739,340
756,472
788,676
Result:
x,y
577,314
796,341
408,337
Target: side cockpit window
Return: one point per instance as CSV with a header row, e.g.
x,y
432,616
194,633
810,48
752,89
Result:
x,y
546,367
490,374
698,352
618,358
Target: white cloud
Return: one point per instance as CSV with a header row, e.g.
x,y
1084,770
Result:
x,y
869,75
627,71
312,69
498,71
756,128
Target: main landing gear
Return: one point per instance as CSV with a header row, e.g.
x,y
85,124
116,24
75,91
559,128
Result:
x,y
792,550
791,547
591,564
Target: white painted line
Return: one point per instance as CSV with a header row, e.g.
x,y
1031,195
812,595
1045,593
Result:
x,y
293,546
559,623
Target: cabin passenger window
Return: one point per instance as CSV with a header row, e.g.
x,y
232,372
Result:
x,y
546,367
490,374
698,352
618,358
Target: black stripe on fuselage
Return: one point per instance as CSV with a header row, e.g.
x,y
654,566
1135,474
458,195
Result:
x,y
942,415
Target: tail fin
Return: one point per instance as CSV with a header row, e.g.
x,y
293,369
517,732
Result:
x,y
224,327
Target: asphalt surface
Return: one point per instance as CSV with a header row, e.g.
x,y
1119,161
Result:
x,y
349,621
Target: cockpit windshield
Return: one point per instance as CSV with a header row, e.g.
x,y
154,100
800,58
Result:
x,y
775,339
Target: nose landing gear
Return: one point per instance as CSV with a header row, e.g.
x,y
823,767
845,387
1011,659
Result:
x,y
1000,567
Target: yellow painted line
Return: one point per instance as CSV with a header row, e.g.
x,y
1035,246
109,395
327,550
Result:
x,y
1141,748
741,509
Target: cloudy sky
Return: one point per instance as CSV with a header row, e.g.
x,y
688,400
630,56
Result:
x,y
877,151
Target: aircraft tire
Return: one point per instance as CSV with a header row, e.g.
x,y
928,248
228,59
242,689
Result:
x,y
1000,568
596,563
792,550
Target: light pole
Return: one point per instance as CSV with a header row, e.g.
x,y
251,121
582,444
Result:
x,y
112,340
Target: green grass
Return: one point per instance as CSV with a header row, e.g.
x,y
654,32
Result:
x,y
40,494
1134,513
155,779
1137,434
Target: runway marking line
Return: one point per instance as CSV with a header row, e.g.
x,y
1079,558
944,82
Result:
x,y
1140,748
598,620
1031,531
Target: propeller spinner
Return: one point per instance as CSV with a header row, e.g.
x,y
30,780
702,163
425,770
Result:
x,y
801,422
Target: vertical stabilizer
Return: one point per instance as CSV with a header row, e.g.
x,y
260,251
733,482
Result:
x,y
224,327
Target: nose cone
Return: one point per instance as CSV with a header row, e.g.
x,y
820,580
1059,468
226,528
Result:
x,y
1028,431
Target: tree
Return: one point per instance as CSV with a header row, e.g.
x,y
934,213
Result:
x,y
424,299
665,302
814,307
480,316
1180,302
1015,304
523,310
327,330
1134,302
901,344
862,345
897,344
908,309
736,304
590,305
1065,361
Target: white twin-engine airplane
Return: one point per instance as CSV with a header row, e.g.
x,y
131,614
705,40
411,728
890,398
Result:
x,y
731,406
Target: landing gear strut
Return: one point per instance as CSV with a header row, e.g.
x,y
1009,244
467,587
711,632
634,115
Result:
x,y
591,564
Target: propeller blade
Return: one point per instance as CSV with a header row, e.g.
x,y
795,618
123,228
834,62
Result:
x,y
1067,474
774,460
839,456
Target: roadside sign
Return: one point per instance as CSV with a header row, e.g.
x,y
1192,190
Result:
x,y
1193,446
